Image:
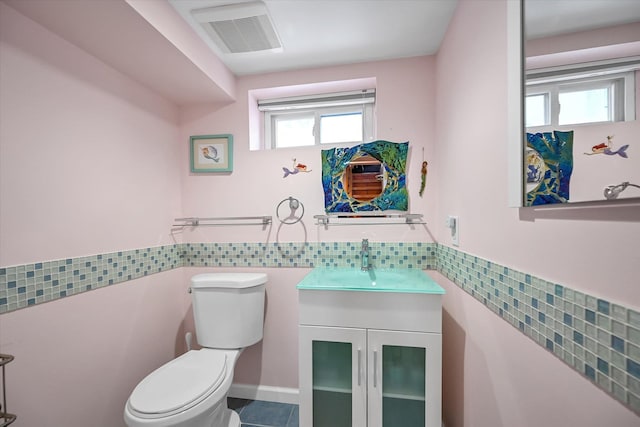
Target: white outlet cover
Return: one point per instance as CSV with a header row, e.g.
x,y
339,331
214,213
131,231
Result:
x,y
453,223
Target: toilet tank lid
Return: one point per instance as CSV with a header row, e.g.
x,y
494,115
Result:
x,y
228,280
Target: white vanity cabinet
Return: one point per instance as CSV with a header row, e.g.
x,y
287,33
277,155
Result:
x,y
370,359
333,386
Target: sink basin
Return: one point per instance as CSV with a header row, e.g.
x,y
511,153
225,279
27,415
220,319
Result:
x,y
409,280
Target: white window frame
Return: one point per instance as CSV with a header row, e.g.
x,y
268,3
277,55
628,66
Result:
x,y
621,95
546,93
316,106
619,74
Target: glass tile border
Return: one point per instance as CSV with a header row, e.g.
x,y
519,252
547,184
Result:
x,y
36,283
310,254
597,338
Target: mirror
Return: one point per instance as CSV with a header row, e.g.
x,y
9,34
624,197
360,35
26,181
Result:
x,y
366,177
581,100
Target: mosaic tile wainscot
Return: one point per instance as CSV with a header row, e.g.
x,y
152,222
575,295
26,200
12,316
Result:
x,y
597,338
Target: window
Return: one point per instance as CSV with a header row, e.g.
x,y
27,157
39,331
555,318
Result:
x,y
537,108
592,93
335,118
589,100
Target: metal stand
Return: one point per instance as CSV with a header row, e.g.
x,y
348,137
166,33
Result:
x,y
5,417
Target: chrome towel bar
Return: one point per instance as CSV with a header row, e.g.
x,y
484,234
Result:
x,y
368,218
228,220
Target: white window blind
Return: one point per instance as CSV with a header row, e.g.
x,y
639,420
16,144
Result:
x,y
366,96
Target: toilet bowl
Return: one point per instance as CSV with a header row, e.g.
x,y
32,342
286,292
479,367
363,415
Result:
x,y
191,390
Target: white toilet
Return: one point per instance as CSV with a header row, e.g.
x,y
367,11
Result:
x,y
191,391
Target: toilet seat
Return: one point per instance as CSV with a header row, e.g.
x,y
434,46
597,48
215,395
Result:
x,y
179,385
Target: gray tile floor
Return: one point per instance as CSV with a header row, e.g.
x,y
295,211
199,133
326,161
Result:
x,y
258,413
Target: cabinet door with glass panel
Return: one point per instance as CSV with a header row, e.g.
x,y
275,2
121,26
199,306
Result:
x,y
366,377
332,378
404,378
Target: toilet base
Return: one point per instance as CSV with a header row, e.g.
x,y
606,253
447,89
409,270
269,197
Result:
x,y
225,418
234,419
228,418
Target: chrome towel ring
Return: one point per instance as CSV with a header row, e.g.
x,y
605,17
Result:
x,y
294,204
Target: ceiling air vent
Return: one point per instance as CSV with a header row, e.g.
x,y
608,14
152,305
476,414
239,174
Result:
x,y
239,27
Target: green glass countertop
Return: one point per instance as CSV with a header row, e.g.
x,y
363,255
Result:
x,y
407,280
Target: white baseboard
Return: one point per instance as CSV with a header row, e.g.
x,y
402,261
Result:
x,y
264,392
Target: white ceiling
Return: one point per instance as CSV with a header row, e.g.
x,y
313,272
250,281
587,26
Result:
x,y
554,17
314,33
317,33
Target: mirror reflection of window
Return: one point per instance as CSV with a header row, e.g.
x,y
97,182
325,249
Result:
x,y
585,106
577,101
537,110
581,75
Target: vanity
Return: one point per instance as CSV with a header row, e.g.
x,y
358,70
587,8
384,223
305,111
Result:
x,y
370,348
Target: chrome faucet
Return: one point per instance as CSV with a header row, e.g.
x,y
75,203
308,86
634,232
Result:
x,y
364,256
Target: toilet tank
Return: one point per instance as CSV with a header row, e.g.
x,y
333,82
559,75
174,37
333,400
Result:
x,y
228,309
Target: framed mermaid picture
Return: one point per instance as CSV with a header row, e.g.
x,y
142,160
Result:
x,y
211,153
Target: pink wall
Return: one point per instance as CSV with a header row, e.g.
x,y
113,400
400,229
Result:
x,y
405,96
620,35
405,112
87,165
83,147
114,174
494,376
98,124
593,173
171,25
78,359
